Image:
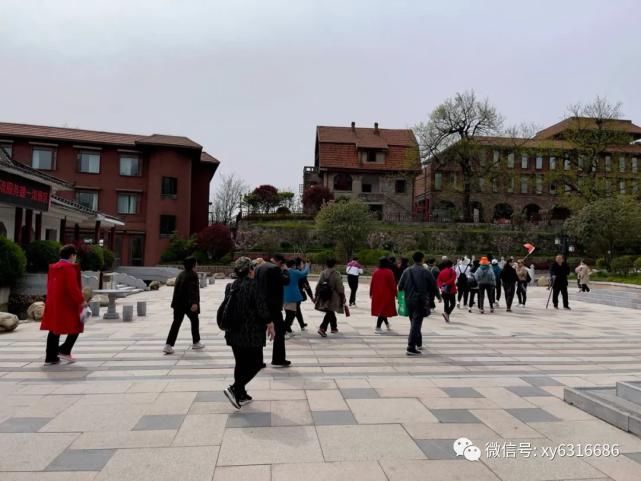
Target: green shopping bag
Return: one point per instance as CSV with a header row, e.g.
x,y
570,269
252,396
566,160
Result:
x,y
402,307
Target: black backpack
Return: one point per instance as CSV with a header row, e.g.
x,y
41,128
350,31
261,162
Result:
x,y
324,290
227,311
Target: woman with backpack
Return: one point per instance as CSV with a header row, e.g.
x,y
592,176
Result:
x,y
472,284
523,273
245,318
484,276
462,286
446,282
292,295
382,292
305,292
509,278
330,297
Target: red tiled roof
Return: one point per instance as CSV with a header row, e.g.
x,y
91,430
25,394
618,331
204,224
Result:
x,y
208,158
588,123
92,136
366,137
536,143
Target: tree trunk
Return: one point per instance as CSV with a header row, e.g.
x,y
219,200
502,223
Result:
x,y
467,194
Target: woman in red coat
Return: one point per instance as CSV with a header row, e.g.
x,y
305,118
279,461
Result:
x,y
62,306
382,292
446,282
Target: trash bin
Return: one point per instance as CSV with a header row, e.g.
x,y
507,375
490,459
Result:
x,y
128,313
141,308
95,308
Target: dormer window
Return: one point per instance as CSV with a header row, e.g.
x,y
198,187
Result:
x,y
372,156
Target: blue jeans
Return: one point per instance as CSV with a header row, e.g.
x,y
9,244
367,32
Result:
x,y
415,338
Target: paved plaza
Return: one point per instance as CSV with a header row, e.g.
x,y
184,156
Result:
x,y
352,407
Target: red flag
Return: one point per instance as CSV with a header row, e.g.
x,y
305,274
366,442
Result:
x,y
530,247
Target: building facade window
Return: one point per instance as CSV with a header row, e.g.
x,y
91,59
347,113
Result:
x,y
87,198
89,162
372,156
8,148
510,160
566,163
130,166
524,162
495,184
453,180
438,181
539,184
51,235
552,163
169,188
496,157
400,186
128,203
622,186
43,158
167,225
524,184
510,185
539,162
553,188
343,182
621,164
635,165
608,163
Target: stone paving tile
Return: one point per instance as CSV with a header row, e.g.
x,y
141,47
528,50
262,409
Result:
x,y
528,391
541,381
367,443
505,424
161,464
82,418
291,413
462,392
159,422
201,430
437,470
23,425
270,445
31,451
592,431
454,416
245,420
48,476
124,439
476,431
337,471
336,418
326,400
359,393
260,472
532,415
81,460
438,448
388,410
210,396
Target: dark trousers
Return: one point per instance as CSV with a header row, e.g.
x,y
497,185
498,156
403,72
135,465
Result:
x,y
483,290
352,281
415,338
463,293
564,293
53,347
584,287
278,352
449,301
509,294
289,320
498,290
329,319
299,316
249,361
521,291
178,320
473,294
380,320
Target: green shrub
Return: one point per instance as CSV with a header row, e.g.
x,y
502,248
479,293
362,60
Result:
x,y
40,254
13,262
201,257
601,263
637,265
320,257
369,257
178,249
622,265
92,258
109,259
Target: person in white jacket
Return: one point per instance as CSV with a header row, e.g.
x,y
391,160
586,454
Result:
x,y
354,270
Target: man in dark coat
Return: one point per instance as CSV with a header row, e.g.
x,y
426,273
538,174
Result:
x,y
185,301
271,278
559,273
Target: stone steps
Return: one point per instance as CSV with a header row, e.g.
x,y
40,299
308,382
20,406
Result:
x,y
619,405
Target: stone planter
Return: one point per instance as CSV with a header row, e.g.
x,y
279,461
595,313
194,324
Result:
x,y
31,285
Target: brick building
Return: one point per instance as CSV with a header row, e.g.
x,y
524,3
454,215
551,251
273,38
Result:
x,y
156,184
524,183
375,165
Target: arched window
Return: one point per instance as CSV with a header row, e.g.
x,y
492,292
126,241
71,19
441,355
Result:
x,y
343,182
531,212
503,212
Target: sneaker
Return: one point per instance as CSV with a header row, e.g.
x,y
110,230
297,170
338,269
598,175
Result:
x,y
282,364
378,330
446,316
556,307
264,365
458,306
412,351
322,333
52,363
389,328
67,357
334,331
469,309
244,399
508,310
491,309
567,308
198,345
481,311
289,335
303,327
231,396
419,348
168,349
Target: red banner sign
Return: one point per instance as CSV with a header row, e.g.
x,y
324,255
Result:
x,y
23,192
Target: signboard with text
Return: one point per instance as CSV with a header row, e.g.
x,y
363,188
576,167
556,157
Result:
x,y
23,192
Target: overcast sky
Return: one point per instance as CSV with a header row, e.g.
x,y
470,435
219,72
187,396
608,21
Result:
x,y
250,80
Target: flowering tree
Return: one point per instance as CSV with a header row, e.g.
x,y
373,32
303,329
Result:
x,y
315,196
215,240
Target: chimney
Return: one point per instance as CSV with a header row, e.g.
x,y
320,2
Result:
x,y
376,131
353,126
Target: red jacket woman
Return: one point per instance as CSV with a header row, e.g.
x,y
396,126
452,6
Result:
x,y
64,299
382,292
447,277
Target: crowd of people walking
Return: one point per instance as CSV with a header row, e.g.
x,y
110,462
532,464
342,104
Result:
x,y
254,303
